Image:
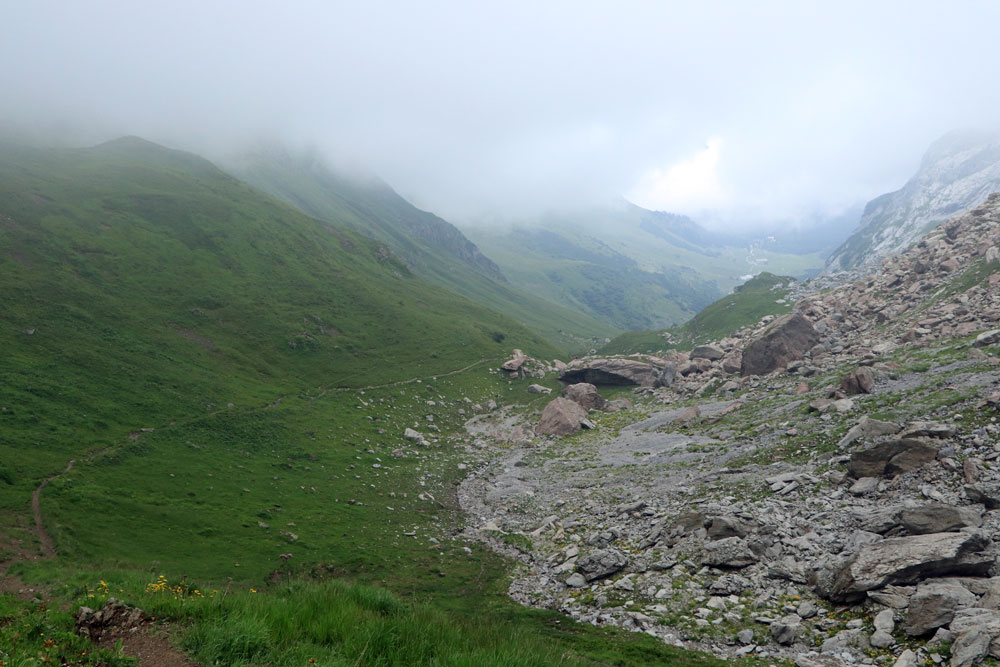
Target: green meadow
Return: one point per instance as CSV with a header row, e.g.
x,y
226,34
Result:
x,y
232,379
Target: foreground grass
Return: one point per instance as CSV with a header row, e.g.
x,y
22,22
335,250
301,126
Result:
x,y
307,622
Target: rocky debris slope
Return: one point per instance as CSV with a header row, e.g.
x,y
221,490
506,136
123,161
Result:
x,y
840,510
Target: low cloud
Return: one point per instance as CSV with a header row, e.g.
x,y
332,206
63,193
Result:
x,y
478,111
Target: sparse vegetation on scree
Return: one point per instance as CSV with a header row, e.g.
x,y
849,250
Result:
x,y
232,380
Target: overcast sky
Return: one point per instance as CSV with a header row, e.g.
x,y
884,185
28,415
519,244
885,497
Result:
x,y
470,109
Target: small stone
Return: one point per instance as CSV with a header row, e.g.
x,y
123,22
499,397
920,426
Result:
x,y
885,620
745,636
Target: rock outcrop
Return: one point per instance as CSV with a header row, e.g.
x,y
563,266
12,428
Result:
x,y
618,372
904,560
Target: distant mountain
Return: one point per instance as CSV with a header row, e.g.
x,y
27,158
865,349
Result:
x,y
956,174
632,267
431,247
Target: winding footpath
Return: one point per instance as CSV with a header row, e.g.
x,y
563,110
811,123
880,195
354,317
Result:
x,y
48,547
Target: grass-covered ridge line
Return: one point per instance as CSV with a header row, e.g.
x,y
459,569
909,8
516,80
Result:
x,y
751,301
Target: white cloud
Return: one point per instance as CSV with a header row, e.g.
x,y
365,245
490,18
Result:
x,y
687,185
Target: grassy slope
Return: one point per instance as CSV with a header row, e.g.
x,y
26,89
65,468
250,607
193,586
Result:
x,y
160,291
427,243
750,302
157,287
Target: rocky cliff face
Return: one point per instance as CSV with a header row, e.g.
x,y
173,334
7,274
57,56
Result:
x,y
957,173
842,509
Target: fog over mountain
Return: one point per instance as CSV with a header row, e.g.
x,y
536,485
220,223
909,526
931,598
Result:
x,y
735,113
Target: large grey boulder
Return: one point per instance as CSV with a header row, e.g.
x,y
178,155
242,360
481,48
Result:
x,y
891,458
934,606
971,629
986,493
619,372
786,629
787,339
585,395
903,560
867,428
938,518
667,375
730,552
601,563
987,338
970,647
562,417
710,352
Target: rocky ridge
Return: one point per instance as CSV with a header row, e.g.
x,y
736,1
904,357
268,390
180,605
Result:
x,y
957,173
839,510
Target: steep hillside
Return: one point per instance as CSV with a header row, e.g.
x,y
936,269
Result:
x,y
142,284
956,174
433,248
635,268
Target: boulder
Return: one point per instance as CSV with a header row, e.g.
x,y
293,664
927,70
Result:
x,y
786,630
938,518
732,362
934,606
891,458
414,436
601,563
113,620
970,647
585,395
986,493
562,417
710,352
928,430
858,381
867,428
881,639
903,560
667,375
538,389
987,338
618,372
731,552
787,339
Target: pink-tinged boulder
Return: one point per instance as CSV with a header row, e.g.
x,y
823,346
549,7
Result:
x,y
787,339
859,381
585,395
562,417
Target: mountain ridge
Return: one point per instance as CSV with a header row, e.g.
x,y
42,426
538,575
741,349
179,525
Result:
x,y
956,173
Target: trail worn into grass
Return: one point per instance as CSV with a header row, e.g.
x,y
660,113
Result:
x,y
44,539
